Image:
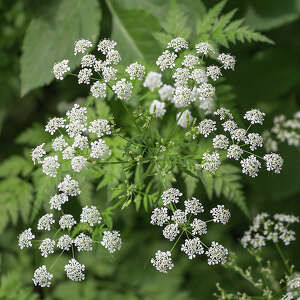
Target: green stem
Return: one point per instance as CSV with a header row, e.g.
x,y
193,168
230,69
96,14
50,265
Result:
x,y
283,258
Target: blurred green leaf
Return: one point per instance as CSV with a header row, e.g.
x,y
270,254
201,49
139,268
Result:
x,y
132,29
50,38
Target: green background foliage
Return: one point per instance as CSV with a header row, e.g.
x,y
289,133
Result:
x,y
36,34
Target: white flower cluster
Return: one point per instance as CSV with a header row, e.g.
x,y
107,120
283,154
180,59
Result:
x,y
283,130
81,142
77,145
293,287
99,73
269,228
233,142
186,221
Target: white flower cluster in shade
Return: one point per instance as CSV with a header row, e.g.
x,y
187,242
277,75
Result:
x,y
78,143
231,142
267,228
283,131
293,287
186,224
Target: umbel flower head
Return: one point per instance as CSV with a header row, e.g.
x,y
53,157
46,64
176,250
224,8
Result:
x,y
267,228
186,223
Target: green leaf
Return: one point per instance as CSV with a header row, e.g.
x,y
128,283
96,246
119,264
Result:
x,y
132,29
227,182
15,200
33,136
51,36
15,165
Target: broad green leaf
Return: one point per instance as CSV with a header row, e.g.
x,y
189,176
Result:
x,y
51,36
132,29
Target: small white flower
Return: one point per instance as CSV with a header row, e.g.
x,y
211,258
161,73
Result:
x,y
179,216
254,116
67,222
274,162
192,247
74,270
182,96
199,227
24,240
42,277
100,127
157,108
64,242
206,127
54,124
153,81
229,126
166,60
199,76
59,69
166,92
90,215
77,113
37,153
106,45
69,186
234,151
178,44
223,113
81,142
250,166
99,65
159,216
68,153
87,61
171,195
193,206
286,218
83,242
204,48
57,201
99,149
78,163
162,261
122,89
220,141
98,89
171,231
111,241
59,143
50,165
255,140
206,90
220,214
81,46
227,60
47,247
45,222
211,162
184,119
181,76
214,72
113,57
136,71
239,134
84,76
190,61
217,254
109,73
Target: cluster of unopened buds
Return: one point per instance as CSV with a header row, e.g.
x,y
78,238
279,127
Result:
x,y
185,224
269,228
76,143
